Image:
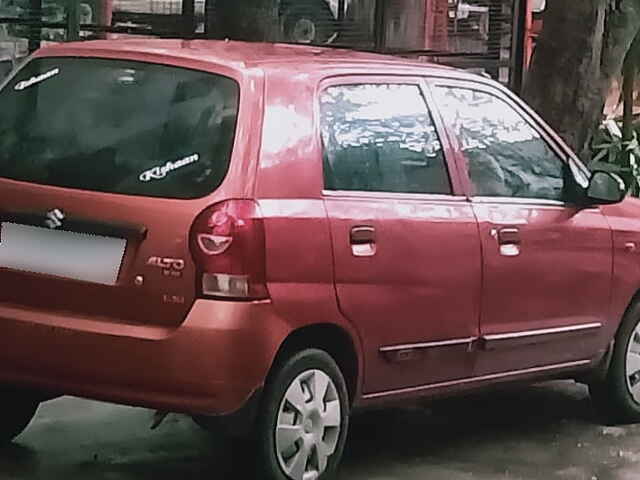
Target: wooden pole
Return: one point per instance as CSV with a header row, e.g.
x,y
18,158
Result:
x,y
188,18
380,26
73,21
35,32
628,84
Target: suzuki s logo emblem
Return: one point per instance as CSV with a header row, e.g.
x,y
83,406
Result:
x,y
54,218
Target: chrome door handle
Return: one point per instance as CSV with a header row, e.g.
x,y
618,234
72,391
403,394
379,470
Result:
x,y
363,241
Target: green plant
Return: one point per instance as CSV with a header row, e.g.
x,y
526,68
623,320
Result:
x,y
613,154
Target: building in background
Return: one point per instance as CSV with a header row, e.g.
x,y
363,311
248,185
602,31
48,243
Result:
x,y
533,26
482,35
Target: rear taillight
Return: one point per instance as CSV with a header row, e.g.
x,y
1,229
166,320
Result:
x,y
228,247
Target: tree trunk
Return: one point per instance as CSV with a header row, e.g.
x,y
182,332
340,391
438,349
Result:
x,y
581,49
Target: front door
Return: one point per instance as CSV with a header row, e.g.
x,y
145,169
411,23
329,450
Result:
x,y
406,247
546,263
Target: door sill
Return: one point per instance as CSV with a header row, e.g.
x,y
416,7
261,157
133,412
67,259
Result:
x,y
478,379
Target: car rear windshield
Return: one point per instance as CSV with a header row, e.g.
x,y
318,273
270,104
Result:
x,y
118,126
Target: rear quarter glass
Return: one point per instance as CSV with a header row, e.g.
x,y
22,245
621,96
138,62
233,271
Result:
x,y
118,126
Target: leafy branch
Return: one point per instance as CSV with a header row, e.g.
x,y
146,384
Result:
x,y
614,154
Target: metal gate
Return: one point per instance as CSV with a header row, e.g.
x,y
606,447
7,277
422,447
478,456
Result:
x,y
475,34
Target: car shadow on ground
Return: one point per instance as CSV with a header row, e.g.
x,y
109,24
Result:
x,y
516,411
528,432
18,460
482,434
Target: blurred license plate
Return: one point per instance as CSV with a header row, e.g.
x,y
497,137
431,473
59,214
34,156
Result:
x,y
80,256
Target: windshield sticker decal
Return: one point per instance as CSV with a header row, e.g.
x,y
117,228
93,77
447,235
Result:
x,y
157,173
35,80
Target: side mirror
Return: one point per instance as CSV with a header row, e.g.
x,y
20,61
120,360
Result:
x,y
606,188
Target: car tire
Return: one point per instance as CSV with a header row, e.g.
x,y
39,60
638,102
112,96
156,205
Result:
x,y
16,412
616,396
308,22
301,430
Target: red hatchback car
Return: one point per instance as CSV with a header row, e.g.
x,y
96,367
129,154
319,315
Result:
x,y
267,237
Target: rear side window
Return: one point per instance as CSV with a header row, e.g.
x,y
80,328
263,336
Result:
x,y
118,126
381,138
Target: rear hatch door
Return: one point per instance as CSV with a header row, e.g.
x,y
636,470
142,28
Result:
x,y
104,164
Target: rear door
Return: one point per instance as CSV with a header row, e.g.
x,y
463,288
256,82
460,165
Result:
x,y
406,246
547,263
103,166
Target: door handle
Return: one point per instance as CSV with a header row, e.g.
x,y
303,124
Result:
x,y
509,236
363,241
364,234
509,241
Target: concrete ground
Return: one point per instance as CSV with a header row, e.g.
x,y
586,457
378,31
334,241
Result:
x,y
545,432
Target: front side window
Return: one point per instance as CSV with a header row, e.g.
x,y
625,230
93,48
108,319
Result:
x,y
381,138
506,156
118,126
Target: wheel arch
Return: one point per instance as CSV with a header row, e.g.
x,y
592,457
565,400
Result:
x,y
331,338
634,299
634,302
601,367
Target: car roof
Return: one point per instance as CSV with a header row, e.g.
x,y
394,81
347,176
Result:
x,y
238,55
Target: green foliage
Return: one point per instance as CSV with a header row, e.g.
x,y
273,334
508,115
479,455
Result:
x,y
613,154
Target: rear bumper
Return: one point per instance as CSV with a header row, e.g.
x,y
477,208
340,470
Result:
x,y
211,364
